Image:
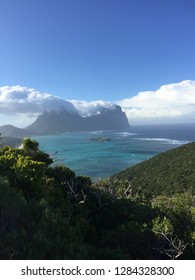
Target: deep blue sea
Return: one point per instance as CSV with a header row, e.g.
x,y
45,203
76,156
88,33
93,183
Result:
x,y
100,159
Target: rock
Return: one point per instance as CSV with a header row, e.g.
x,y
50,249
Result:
x,y
101,139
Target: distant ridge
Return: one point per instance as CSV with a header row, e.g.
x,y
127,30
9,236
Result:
x,y
167,173
12,131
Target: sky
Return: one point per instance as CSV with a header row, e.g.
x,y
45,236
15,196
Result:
x,y
139,54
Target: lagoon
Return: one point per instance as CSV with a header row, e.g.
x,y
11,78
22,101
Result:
x,y
100,159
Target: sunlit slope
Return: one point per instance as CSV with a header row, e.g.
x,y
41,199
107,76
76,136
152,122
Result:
x,y
167,173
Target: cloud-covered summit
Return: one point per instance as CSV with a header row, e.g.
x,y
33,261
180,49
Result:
x,y
25,104
85,108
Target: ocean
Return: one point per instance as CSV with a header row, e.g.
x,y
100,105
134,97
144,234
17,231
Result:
x,y
100,154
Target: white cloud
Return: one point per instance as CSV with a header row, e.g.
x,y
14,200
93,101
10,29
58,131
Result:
x,y
85,108
173,102
28,101
170,103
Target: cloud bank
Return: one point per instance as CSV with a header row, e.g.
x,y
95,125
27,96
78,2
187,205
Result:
x,y
170,103
28,101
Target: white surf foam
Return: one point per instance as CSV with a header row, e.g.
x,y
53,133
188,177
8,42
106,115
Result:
x,y
125,134
165,140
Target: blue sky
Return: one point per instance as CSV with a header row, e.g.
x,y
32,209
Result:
x,y
96,49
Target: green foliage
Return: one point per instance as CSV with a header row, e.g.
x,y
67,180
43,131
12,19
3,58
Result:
x,y
176,222
30,145
180,209
47,212
21,171
31,149
61,175
12,205
162,226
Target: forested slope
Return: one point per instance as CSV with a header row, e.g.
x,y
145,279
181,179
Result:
x,y
167,173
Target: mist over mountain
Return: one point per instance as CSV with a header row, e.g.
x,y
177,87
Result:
x,y
52,122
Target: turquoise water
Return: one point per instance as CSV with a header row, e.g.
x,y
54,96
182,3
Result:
x,y
99,159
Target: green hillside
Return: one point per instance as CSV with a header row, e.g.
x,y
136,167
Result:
x,y
167,173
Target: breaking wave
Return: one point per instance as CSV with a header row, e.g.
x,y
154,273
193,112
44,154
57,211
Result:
x,y
125,134
165,141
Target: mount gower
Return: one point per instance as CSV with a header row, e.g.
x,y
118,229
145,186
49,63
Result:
x,y
59,121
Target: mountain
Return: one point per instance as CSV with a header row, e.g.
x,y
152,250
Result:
x,y
60,121
167,173
12,131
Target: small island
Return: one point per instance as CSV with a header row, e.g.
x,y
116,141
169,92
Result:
x,y
101,139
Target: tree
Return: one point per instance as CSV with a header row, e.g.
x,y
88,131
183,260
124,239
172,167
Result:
x,y
31,149
175,225
170,245
12,208
21,171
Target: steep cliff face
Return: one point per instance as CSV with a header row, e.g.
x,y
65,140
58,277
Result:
x,y
61,121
